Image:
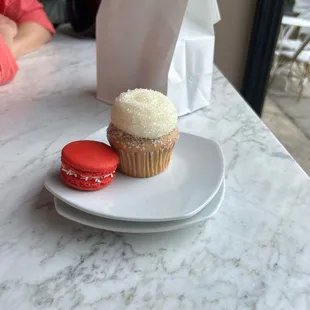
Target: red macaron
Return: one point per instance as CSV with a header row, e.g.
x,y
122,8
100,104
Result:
x,y
88,165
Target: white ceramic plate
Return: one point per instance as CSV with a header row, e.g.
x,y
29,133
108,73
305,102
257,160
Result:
x,y
191,181
139,227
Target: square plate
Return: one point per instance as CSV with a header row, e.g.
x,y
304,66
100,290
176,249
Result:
x,y
191,181
139,227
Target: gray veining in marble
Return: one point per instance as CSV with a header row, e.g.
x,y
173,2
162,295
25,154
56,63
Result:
x,y
254,254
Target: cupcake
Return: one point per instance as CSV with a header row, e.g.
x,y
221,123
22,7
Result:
x,y
143,130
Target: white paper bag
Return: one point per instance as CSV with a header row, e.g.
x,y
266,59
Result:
x,y
190,74
165,45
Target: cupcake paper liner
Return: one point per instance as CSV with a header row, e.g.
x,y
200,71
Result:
x,y
144,164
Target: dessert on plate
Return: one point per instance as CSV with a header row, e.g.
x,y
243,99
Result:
x,y
143,130
88,165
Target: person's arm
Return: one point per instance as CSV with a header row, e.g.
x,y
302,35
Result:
x,y
34,27
8,65
8,30
6,38
30,37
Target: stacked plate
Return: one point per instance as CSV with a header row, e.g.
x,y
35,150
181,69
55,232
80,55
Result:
x,y
191,190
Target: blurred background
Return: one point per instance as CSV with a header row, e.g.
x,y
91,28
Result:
x,y
285,107
287,103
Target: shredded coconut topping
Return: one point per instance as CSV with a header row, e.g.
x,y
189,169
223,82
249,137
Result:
x,y
144,113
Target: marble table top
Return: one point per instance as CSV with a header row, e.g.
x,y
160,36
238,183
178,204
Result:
x,y
254,254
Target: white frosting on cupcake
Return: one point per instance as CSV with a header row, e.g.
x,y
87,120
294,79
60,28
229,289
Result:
x,y
144,113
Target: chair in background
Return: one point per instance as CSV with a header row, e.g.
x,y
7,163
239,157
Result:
x,y
292,36
300,57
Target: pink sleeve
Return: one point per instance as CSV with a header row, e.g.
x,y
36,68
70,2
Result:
x,y
22,11
8,65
